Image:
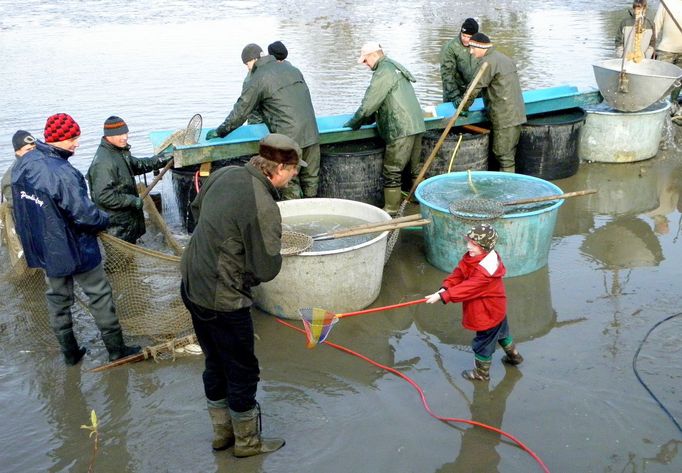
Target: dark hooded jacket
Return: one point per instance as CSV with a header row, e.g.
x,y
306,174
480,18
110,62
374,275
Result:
x,y
112,186
56,221
278,93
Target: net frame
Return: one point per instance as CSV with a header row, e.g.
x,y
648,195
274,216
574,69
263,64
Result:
x,y
317,324
294,243
477,210
193,130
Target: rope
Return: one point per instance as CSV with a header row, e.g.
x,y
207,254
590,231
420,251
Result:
x,y
423,398
454,153
634,368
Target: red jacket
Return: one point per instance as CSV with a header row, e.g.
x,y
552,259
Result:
x,y
482,294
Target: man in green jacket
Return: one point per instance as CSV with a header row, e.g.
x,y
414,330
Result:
x,y
502,98
391,101
280,95
236,246
457,65
112,181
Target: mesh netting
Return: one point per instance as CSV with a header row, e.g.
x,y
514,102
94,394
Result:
x,y
477,209
294,243
145,287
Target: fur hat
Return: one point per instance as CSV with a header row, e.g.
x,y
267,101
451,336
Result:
x,y
481,41
484,235
251,51
22,138
470,26
280,149
278,50
61,127
115,126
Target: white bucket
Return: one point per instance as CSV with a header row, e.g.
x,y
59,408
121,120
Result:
x,y
341,280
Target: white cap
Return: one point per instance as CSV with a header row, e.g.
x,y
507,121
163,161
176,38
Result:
x,y
367,49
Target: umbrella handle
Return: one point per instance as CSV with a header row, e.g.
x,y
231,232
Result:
x,y
379,309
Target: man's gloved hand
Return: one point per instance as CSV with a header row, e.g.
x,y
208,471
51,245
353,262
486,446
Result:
x,y
139,203
353,124
163,158
435,297
212,134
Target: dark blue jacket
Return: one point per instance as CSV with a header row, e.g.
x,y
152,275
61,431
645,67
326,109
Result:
x,y
56,221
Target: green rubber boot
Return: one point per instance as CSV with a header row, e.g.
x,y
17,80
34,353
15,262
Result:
x,y
223,434
481,371
512,357
392,199
247,430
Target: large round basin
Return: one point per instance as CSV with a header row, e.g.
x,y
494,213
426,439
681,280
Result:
x,y
525,233
340,280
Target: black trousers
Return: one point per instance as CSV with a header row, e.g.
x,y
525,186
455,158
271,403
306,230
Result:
x,y
227,340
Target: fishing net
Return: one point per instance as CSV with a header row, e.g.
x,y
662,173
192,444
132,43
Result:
x,y
477,210
317,324
294,243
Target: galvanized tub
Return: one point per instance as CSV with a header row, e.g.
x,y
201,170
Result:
x,y
525,234
641,85
340,280
610,136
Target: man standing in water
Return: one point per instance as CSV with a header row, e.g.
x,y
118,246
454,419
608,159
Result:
x,y
391,101
112,181
280,95
236,246
58,224
502,98
457,66
668,28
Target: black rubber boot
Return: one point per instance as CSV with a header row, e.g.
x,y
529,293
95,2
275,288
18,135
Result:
x,y
247,431
116,348
70,349
512,357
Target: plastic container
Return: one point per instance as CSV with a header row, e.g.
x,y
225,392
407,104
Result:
x,y
472,154
548,145
525,234
352,170
339,280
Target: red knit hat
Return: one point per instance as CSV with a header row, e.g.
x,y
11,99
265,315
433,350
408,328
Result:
x,y
60,127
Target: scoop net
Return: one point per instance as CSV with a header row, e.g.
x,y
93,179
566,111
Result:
x,y
317,324
477,210
294,243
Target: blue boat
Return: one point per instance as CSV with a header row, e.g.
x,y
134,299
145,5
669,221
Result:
x,y
244,140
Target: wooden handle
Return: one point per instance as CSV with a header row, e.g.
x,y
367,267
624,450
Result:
x,y
379,227
476,129
439,143
532,200
156,180
408,218
379,309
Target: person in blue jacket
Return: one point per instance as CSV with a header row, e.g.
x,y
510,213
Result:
x,y
58,224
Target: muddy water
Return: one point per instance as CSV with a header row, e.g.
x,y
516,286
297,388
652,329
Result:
x,y
613,268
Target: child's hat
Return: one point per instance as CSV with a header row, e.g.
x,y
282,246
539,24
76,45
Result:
x,y
484,234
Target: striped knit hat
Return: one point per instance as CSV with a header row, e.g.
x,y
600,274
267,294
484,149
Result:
x,y
115,126
479,40
61,127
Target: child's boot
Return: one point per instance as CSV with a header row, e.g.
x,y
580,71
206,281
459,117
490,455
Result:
x,y
512,357
481,371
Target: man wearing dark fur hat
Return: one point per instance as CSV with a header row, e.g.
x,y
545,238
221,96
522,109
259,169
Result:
x,y
112,180
457,66
502,98
278,91
236,246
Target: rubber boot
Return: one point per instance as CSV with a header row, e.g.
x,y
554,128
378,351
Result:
x,y
392,199
511,169
223,435
512,357
70,349
247,430
481,371
116,348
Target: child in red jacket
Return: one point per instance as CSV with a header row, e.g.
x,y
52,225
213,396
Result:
x,y
476,282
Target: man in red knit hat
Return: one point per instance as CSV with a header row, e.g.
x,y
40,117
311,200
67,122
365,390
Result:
x,y
58,224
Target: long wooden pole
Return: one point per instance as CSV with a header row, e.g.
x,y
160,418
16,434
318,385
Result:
x,y
156,180
379,227
439,143
546,198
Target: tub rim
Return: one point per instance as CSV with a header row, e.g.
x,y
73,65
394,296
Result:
x,y
382,235
522,177
654,108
